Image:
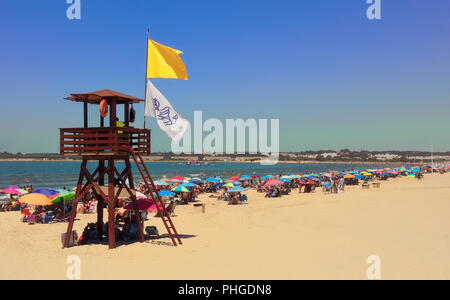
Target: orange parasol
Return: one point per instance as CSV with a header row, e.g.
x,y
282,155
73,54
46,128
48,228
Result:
x,y
35,199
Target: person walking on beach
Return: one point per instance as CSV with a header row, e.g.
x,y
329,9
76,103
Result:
x,y
341,185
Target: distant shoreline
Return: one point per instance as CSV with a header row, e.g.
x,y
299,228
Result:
x,y
232,162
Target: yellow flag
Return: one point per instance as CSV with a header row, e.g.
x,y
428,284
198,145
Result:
x,y
164,62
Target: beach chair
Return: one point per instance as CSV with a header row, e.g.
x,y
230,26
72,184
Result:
x,y
73,241
48,218
171,208
31,219
152,231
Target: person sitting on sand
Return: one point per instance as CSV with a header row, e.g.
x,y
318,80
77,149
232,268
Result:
x,y
221,195
59,214
274,193
244,198
84,208
233,200
89,235
39,213
130,229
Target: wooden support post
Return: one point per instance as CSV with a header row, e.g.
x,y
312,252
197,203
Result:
x,y
111,205
127,114
85,114
100,200
112,114
74,205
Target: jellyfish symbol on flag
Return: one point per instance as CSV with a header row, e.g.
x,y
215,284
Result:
x,y
164,114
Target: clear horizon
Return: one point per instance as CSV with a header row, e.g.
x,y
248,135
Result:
x,y
333,78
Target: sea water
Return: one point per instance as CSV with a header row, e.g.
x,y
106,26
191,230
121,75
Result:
x,y
59,174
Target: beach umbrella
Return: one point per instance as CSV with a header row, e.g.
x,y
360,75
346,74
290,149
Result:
x,y
15,188
164,193
273,182
176,179
142,205
140,196
237,189
327,175
229,184
267,177
349,176
53,197
233,178
236,182
46,192
245,177
189,184
62,197
22,191
295,176
285,180
10,191
35,199
181,189
196,180
161,183
12,187
211,180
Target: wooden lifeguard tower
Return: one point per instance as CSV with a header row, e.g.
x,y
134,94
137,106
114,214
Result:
x,y
104,146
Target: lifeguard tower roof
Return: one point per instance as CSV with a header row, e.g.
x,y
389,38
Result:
x,y
98,96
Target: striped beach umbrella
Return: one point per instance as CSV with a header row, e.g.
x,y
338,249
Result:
x,y
181,189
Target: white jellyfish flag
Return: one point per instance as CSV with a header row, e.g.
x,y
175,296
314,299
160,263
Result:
x,y
168,119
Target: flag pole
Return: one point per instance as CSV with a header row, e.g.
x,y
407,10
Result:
x,y
146,68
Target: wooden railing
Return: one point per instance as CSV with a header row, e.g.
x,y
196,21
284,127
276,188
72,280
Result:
x,y
103,140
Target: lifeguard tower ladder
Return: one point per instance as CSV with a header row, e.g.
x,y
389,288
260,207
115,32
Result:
x,y
104,146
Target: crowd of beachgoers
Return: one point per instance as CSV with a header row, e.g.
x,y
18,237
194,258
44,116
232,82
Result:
x,y
44,206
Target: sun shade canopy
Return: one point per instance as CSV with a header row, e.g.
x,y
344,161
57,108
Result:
x,y
98,96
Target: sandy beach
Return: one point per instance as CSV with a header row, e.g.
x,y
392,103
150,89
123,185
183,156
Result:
x,y
300,236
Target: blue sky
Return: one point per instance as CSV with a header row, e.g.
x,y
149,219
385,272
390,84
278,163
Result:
x,y
332,77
